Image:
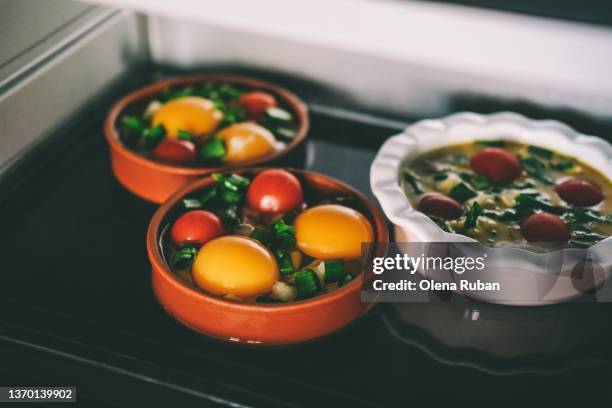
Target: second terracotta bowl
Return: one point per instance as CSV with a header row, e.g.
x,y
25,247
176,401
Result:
x,y
254,323
155,181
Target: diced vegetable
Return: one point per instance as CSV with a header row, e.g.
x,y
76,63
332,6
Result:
x,y
283,292
183,258
334,271
284,262
191,204
284,134
284,234
213,150
185,135
262,235
275,114
307,283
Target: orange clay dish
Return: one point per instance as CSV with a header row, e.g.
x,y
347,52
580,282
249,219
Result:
x,y
259,242
166,135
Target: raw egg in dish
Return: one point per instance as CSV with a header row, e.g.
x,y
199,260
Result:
x,y
259,238
246,141
235,265
331,231
192,114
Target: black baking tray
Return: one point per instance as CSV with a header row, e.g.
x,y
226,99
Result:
x,y
77,308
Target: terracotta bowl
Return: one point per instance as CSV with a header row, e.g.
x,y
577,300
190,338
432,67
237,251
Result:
x,y
263,324
156,181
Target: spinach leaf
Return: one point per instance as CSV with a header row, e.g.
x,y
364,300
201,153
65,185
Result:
x,y
536,169
490,143
474,212
413,181
461,192
540,151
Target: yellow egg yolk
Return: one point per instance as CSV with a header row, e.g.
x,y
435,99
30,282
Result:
x,y
246,141
235,265
332,231
193,114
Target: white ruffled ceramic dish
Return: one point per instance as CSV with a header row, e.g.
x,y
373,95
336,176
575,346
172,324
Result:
x,y
523,275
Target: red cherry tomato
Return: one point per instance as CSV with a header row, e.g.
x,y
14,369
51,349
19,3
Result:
x,y
175,151
498,165
545,227
579,192
196,227
256,103
275,191
440,205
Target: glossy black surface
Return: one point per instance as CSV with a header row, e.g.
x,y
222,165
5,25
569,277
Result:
x,y
76,305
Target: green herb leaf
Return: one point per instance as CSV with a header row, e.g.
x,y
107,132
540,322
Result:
x,y
233,114
307,283
536,169
533,202
133,124
185,135
413,181
262,235
213,150
209,197
490,143
585,239
562,164
284,234
459,160
284,262
471,218
440,176
461,192
334,271
230,217
153,135
540,151
183,258
478,181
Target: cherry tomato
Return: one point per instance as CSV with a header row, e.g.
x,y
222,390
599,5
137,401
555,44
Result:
x,y
175,151
545,227
275,191
256,103
579,192
440,205
498,165
196,227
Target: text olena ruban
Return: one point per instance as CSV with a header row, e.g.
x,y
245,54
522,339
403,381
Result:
x,y
458,265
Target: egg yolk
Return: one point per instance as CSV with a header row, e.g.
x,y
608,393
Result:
x,y
332,231
193,114
235,265
246,141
